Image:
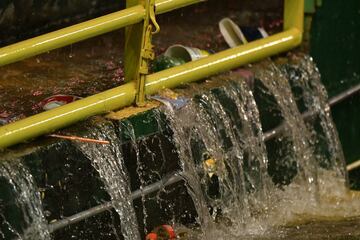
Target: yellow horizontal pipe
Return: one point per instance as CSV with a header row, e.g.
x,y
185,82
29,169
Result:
x,y
224,60
82,31
163,6
124,95
69,35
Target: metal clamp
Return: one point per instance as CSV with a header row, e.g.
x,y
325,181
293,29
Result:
x,y
147,50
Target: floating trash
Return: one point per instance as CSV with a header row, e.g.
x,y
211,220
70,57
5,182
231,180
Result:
x,y
254,33
177,55
171,99
209,164
81,139
4,118
4,121
187,54
231,33
165,62
163,232
210,167
152,236
171,103
57,101
235,36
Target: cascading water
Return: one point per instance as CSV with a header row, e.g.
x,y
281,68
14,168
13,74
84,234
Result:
x,y
228,158
139,166
108,161
28,205
233,138
306,76
224,125
182,141
296,132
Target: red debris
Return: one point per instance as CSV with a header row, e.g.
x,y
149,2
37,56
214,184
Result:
x,y
152,236
56,101
163,232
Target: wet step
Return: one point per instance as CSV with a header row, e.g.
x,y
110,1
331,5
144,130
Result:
x,y
197,157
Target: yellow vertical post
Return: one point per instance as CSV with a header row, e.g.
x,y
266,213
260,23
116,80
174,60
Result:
x,y
133,39
139,50
294,17
147,52
294,14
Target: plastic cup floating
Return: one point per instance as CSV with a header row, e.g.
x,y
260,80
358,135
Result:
x,y
187,54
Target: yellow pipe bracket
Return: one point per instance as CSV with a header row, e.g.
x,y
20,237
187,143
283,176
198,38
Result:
x,y
147,51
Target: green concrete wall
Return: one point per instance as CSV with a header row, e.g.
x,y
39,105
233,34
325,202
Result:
x,y
335,46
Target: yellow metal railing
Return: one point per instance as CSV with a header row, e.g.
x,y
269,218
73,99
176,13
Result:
x,y
124,95
85,30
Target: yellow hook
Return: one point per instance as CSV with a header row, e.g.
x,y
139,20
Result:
x,y
153,16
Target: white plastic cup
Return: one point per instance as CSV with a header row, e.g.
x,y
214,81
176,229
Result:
x,y
187,54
